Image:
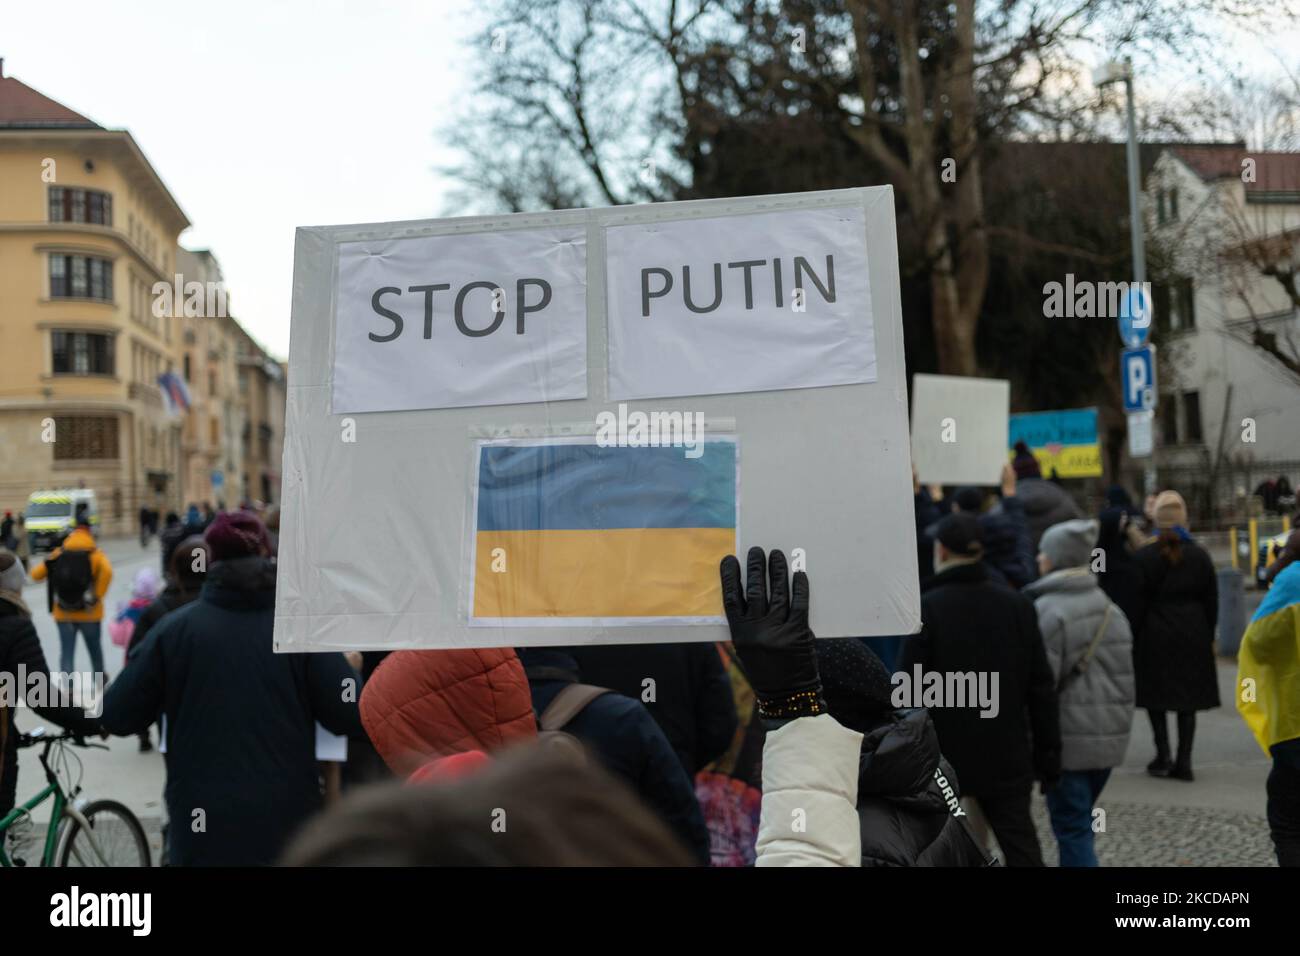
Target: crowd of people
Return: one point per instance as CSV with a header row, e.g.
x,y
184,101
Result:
x,y
775,748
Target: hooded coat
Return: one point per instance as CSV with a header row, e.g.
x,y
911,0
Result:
x,y
241,719
420,705
1096,706
907,797
1046,503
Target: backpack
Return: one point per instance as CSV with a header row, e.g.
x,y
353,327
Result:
x,y
564,706
71,579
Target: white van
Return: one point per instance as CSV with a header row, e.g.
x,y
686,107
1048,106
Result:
x,y
51,515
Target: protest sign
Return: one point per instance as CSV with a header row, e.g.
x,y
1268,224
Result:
x,y
1063,441
959,428
795,285
525,505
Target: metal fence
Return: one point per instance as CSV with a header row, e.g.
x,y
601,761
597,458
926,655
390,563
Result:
x,y
1231,494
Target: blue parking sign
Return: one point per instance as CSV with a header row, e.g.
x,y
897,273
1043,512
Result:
x,y
1137,375
1135,317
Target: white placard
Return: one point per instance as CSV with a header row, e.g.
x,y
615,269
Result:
x,y
959,429
448,321
739,304
395,573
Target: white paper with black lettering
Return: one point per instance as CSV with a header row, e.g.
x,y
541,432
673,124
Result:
x,y
739,304
454,321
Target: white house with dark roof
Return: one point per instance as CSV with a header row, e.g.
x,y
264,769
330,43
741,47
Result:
x,y
1224,260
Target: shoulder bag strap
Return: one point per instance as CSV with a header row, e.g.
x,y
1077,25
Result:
x,y
569,703
1082,663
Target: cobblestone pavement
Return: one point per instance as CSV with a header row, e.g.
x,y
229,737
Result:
x,y
1144,835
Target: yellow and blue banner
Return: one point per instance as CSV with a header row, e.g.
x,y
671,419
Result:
x,y
1063,441
567,531
1268,663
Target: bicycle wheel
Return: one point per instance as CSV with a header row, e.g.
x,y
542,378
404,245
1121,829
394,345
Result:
x,y
115,838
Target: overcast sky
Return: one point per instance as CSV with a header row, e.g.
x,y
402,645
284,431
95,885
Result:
x,y
264,115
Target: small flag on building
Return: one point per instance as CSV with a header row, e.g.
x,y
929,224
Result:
x,y
175,395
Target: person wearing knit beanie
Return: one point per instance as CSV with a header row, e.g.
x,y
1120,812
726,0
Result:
x,y
1174,655
1068,544
855,683
1169,510
237,534
1024,462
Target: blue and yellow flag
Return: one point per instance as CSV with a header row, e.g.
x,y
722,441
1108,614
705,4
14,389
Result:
x,y
1268,664
574,530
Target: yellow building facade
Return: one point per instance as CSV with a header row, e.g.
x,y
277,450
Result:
x,y
97,301
87,228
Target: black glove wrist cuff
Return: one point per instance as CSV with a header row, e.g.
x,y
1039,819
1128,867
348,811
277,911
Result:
x,y
804,703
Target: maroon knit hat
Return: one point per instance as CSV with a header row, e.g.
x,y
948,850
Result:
x,y
236,534
1024,463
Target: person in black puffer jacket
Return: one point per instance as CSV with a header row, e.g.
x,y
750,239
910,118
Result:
x,y
907,793
21,660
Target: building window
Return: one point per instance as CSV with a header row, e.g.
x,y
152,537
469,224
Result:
x,y
187,370
82,353
1175,305
84,437
81,277
1169,419
1166,206
1183,307
1192,434
80,205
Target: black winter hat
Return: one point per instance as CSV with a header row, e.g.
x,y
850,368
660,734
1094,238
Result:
x,y
855,683
969,498
961,534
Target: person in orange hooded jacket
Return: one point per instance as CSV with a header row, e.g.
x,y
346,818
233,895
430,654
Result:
x,y
419,706
87,617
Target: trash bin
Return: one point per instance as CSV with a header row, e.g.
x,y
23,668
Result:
x,y
1232,610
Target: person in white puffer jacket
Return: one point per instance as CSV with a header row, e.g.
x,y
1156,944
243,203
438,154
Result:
x,y
809,812
1089,647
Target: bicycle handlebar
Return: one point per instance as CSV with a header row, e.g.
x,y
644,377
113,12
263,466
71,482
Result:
x,y
39,736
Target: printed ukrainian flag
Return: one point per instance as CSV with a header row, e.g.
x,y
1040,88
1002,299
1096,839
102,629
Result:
x,y
572,530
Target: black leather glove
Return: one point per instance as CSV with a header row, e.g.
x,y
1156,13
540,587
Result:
x,y
770,631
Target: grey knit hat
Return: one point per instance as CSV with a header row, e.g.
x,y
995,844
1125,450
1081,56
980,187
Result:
x,y
1070,543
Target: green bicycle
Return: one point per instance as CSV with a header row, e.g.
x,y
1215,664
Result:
x,y
80,832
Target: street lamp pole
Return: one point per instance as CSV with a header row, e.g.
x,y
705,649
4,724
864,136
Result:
x,y
1134,178
1110,73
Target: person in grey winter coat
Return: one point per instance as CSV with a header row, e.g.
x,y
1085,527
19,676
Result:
x,y
1045,503
1090,651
